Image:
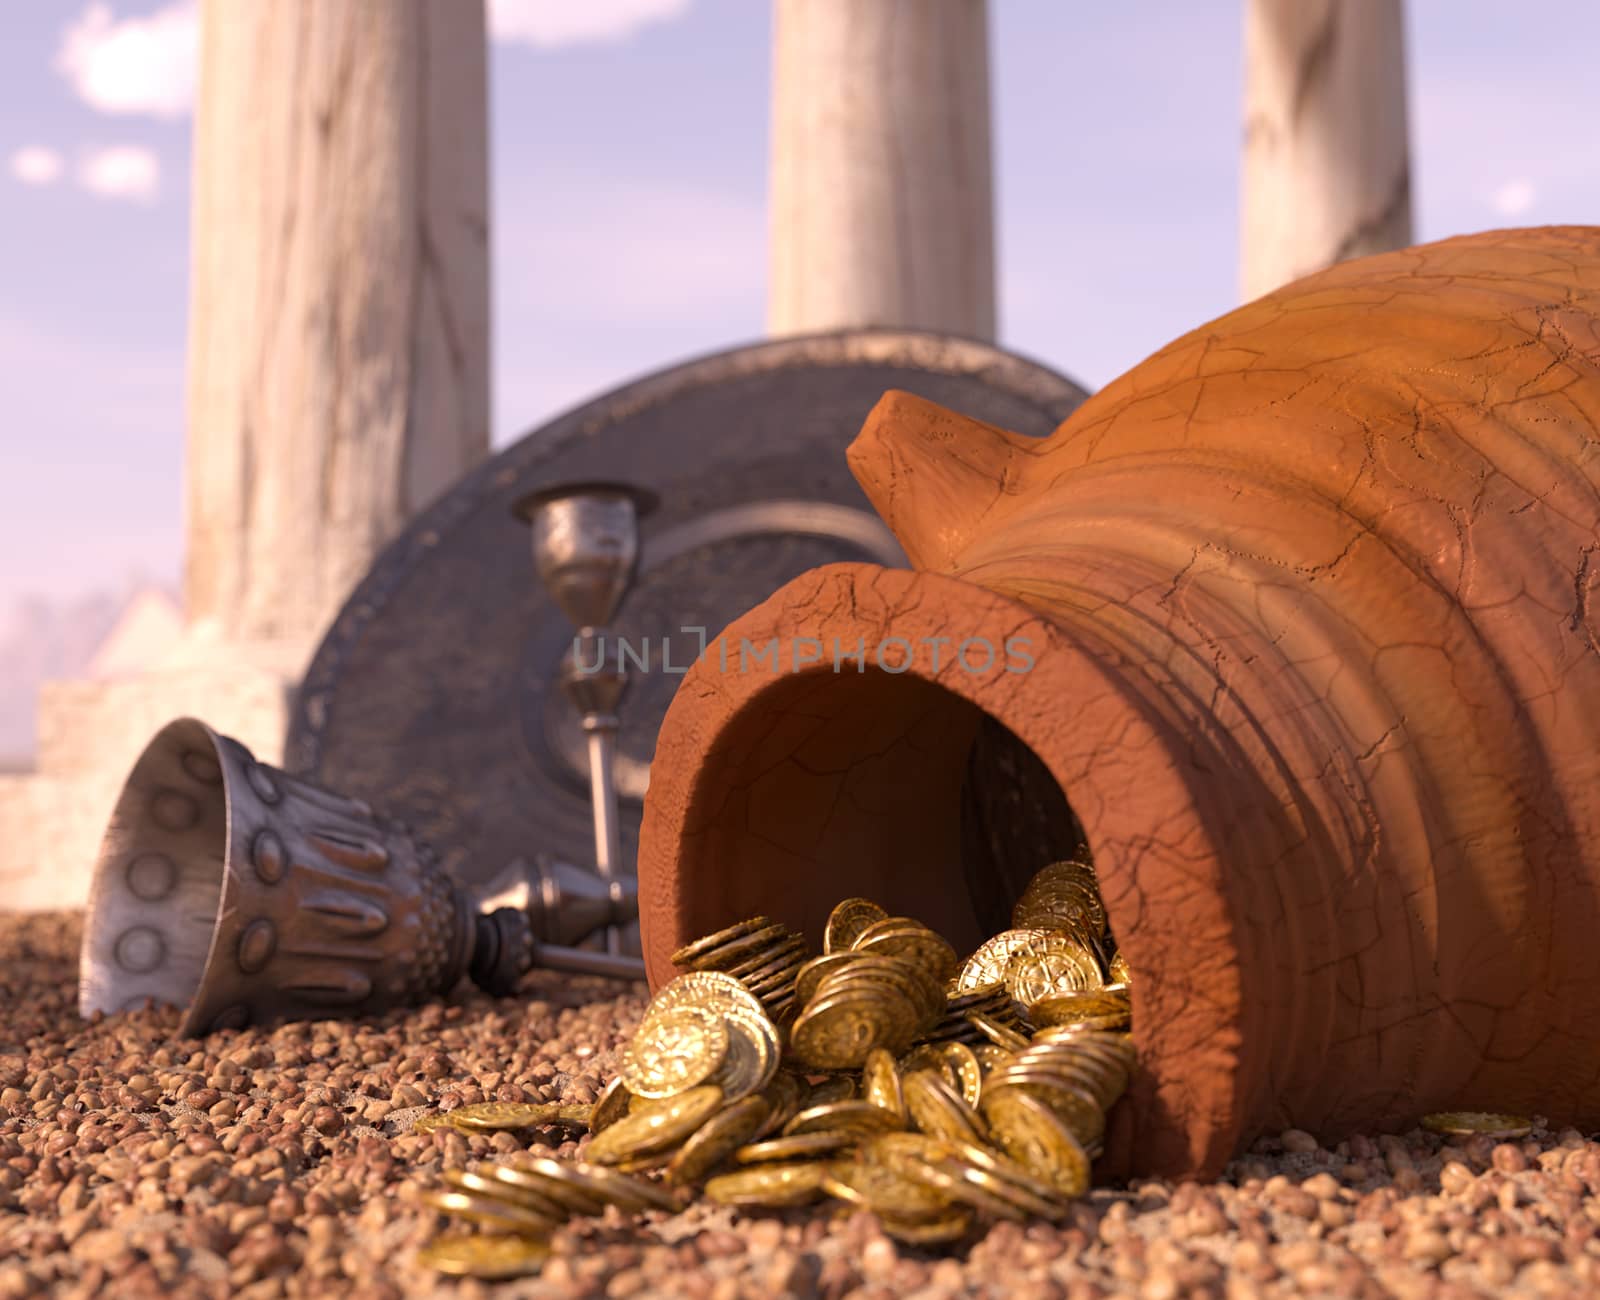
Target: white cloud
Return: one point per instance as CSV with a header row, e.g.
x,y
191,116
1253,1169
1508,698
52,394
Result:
x,y
36,166
136,65
124,172
551,24
1514,198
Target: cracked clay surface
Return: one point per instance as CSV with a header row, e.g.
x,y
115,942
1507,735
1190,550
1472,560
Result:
x,y
1310,602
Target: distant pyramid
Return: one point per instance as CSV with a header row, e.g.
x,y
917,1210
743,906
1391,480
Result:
x,y
144,635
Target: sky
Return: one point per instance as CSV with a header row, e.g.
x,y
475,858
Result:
x,y
628,226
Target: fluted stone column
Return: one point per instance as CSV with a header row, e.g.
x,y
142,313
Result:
x,y
339,313
1327,168
881,198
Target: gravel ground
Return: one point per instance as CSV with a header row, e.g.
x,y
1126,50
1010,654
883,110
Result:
x,y
278,1163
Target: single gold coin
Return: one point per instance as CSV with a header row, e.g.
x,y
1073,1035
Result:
x,y
494,1116
841,1117
674,1051
801,1146
881,1083
476,1254
1089,1009
655,1126
612,1105
1466,1123
1000,1034
432,1120
716,1140
770,1185
1049,967
847,921
1027,1130
954,1224
835,1032
938,1110
962,1061
490,1212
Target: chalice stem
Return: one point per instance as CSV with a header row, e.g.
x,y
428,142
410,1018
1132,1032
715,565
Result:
x,y
607,815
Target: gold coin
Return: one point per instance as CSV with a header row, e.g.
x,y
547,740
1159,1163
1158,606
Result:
x,y
788,949
1050,966
784,1095
881,1083
475,1254
938,1110
837,1031
674,1051
655,1126
948,1177
954,1224
717,1139
697,948
911,942
494,1116
813,971
802,1146
1008,1170
1059,895
986,968
432,1120
754,1053
881,1188
1091,1009
836,1087
595,1183
841,1117
847,921
1033,1136
1465,1123
613,1104
997,1033
771,1185
619,1188
547,1181
962,1061
491,1212
482,1184
1069,1100
1048,1204
737,951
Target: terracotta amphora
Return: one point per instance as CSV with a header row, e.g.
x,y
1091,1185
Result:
x,y
1295,623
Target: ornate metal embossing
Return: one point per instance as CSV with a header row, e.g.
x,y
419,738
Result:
x,y
436,692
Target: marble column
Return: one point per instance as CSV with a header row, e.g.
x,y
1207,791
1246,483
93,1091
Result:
x,y
881,194
339,310
1327,164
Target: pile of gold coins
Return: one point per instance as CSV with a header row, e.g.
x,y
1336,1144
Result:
x,y
885,1073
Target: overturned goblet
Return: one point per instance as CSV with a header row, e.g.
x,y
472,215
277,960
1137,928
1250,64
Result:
x,y
227,887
